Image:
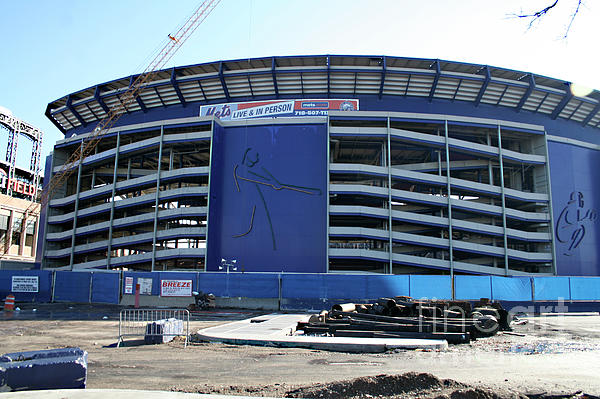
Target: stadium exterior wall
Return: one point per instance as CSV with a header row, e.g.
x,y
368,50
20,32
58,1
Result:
x,y
338,191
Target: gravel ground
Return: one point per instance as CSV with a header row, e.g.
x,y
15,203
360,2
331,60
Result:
x,y
548,356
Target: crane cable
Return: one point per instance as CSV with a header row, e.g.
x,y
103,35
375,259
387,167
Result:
x,y
88,144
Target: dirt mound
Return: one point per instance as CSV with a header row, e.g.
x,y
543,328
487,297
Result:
x,y
383,386
376,386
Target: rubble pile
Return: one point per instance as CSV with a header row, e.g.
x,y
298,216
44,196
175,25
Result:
x,y
403,317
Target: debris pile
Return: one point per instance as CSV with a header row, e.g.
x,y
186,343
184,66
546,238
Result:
x,y
403,317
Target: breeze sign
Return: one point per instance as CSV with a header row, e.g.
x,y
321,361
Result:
x,y
277,108
175,287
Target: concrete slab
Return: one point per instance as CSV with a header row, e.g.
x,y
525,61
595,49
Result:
x,y
113,394
277,330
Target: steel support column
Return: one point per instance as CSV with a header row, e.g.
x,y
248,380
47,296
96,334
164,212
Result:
x,y
390,221
551,212
112,204
503,200
75,211
448,188
157,198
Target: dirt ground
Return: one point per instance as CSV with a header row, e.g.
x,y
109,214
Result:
x,y
547,356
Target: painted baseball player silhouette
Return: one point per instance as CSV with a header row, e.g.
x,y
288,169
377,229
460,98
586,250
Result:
x,y
570,227
250,171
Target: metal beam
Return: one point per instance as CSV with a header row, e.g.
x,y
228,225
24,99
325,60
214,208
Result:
x,y
591,115
159,97
527,93
457,89
502,95
250,86
273,65
383,72
98,98
176,87
138,98
436,79
71,108
328,78
223,84
565,100
484,86
202,90
54,121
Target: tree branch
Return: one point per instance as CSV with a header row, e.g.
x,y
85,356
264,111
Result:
x,y
538,15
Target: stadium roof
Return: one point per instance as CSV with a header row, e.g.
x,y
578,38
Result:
x,y
332,75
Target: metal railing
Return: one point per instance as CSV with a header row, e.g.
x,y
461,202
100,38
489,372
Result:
x,y
142,323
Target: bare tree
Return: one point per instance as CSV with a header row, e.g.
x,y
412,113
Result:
x,y
536,16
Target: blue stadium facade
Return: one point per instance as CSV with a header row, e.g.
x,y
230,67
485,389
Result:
x,y
331,164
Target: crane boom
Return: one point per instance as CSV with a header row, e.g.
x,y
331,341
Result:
x,y
89,143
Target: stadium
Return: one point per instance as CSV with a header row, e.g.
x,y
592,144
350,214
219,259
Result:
x,y
331,164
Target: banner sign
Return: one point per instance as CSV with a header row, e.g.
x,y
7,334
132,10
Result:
x,y
175,287
277,108
17,186
128,285
25,284
145,285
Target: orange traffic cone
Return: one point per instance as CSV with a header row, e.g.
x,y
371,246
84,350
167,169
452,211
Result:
x,y
9,303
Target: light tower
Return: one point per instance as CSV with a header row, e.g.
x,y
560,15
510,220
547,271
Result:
x,y
15,128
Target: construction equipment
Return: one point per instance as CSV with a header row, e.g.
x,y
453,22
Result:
x,y
173,43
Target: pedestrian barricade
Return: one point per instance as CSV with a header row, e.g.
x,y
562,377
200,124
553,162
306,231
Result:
x,y
154,325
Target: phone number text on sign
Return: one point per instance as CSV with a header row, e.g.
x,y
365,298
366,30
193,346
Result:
x,y
175,287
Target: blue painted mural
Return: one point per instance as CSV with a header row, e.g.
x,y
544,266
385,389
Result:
x,y
268,184
576,202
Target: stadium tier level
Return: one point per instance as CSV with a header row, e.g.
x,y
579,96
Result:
x,y
332,164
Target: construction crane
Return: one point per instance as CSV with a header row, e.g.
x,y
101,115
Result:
x,y
89,143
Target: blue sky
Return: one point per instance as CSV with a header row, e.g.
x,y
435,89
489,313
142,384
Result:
x,y
52,48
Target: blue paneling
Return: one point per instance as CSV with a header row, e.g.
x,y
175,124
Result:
x,y
386,286
105,287
303,286
576,203
214,283
44,281
345,286
72,286
585,288
136,275
551,288
268,198
257,285
472,287
247,285
511,288
439,287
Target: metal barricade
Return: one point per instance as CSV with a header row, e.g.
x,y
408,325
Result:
x,y
141,322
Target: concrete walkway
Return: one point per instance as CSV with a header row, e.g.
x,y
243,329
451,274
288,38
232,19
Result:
x,y
277,330
113,394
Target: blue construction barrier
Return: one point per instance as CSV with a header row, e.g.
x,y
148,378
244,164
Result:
x,y
105,287
247,285
511,289
72,286
472,287
551,288
431,287
585,288
298,289
44,285
387,286
135,276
